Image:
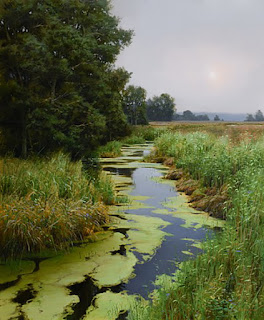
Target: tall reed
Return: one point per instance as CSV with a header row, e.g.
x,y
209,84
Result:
x,y
49,203
226,281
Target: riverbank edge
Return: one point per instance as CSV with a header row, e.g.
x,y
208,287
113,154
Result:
x,y
214,201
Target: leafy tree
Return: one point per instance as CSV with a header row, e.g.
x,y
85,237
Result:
x,y
58,85
161,108
202,117
188,116
134,105
216,118
250,117
259,116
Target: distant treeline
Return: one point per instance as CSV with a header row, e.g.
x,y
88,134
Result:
x,y
257,117
189,116
159,108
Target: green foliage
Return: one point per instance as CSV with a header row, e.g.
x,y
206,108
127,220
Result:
x,y
57,82
209,159
161,108
111,150
134,139
187,115
49,203
141,134
258,116
134,105
226,281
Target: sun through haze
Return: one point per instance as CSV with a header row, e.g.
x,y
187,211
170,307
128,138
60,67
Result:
x,y
207,54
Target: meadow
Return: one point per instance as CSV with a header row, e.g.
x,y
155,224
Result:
x,y
226,281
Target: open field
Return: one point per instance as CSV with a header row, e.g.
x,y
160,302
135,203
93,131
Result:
x,y
232,129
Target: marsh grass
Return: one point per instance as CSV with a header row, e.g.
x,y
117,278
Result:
x,y
134,139
141,134
226,281
111,150
49,203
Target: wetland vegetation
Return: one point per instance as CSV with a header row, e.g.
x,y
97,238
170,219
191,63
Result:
x,y
226,281
48,203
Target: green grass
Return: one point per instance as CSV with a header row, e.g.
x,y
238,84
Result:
x,y
49,203
226,281
111,150
141,134
134,139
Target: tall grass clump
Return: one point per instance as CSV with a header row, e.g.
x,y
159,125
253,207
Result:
x,y
111,150
49,203
141,134
212,160
227,280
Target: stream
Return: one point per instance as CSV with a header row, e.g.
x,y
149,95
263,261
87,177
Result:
x,y
150,234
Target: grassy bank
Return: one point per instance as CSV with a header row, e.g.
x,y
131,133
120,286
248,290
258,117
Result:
x,y
226,281
139,135
48,204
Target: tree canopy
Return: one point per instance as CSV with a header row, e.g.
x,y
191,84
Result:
x,y
161,108
134,105
58,84
187,115
258,116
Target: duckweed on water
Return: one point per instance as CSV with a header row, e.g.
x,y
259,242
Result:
x,y
108,306
56,274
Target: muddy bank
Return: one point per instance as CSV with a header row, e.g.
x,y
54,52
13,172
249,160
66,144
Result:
x,y
212,200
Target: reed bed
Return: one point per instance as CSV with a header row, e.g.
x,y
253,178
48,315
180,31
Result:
x,y
226,281
141,134
49,204
111,150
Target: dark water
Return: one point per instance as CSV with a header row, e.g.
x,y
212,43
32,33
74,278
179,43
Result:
x,y
166,256
170,252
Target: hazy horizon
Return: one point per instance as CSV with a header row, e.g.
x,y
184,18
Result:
x,y
207,54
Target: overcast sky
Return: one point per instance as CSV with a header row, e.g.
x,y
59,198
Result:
x,y
207,54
